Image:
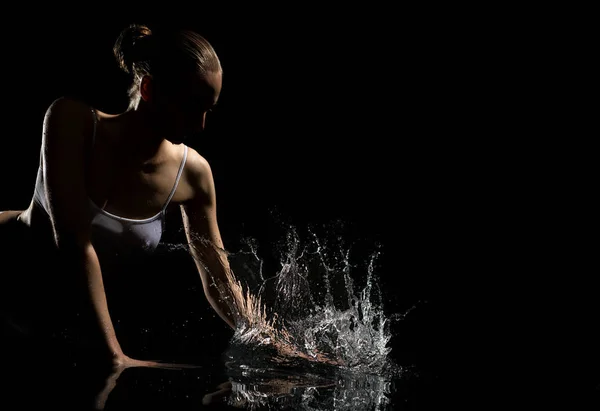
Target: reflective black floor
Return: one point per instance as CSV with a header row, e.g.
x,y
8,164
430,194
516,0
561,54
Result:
x,y
67,383
60,377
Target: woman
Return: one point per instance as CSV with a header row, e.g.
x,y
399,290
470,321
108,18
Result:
x,y
105,181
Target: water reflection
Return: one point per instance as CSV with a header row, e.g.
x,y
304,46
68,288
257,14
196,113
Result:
x,y
230,381
341,389
245,388
367,393
99,401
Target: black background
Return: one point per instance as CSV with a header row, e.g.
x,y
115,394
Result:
x,y
393,121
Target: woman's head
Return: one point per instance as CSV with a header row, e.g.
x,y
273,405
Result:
x,y
175,74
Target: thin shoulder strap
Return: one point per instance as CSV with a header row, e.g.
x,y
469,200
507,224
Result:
x,y
179,172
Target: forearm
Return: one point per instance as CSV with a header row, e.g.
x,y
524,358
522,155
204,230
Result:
x,y
210,257
86,268
218,299
217,283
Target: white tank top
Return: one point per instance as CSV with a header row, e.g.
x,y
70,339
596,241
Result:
x,y
115,235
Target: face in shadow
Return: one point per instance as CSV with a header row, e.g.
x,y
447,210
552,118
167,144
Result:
x,y
180,106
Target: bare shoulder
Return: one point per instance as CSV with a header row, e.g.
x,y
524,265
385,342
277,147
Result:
x,y
67,105
68,114
196,163
199,174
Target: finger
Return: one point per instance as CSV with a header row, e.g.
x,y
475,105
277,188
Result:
x,y
170,364
158,364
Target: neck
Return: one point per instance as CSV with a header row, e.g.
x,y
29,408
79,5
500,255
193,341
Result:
x,y
135,134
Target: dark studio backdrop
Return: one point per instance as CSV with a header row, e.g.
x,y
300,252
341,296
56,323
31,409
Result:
x,y
356,116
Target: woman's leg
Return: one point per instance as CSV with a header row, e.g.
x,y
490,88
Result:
x,y
12,245
39,304
9,215
28,277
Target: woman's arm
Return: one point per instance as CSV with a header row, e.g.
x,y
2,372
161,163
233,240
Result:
x,y
67,125
206,246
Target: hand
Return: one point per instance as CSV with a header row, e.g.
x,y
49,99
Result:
x,y
123,361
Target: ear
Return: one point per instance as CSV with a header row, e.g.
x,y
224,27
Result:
x,y
146,88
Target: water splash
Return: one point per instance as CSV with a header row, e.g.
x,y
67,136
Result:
x,y
309,336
